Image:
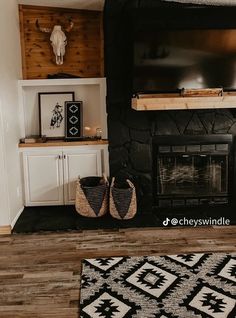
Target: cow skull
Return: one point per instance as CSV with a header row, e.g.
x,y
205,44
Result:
x,y
58,39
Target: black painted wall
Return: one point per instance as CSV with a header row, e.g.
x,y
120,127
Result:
x,y
130,132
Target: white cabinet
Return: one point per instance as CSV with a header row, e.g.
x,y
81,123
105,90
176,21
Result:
x,y
43,172
83,163
50,174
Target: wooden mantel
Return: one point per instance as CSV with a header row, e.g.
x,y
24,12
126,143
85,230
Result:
x,y
176,102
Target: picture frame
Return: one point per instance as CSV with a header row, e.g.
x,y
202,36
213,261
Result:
x,y
52,113
73,120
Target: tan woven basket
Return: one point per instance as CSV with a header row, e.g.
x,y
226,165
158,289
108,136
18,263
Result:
x,y
123,202
92,196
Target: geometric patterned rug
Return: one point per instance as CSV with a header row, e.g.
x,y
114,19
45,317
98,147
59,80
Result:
x,y
173,286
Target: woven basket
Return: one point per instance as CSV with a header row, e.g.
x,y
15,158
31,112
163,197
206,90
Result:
x,y
92,196
123,203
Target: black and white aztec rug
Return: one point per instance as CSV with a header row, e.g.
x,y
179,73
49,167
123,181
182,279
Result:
x,y
173,286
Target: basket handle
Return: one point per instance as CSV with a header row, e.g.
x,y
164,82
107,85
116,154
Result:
x,y
130,184
78,180
127,180
105,177
112,182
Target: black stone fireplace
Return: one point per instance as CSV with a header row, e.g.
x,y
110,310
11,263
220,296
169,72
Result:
x,y
192,170
176,159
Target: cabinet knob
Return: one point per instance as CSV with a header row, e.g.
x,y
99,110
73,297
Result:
x,y
59,156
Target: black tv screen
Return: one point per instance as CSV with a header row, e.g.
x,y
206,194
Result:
x,y
169,60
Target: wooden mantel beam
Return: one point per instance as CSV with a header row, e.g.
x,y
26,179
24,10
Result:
x,y
175,102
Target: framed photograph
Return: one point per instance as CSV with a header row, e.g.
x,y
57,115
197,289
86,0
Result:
x,y
73,120
52,113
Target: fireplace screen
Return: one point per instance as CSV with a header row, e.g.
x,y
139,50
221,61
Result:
x,y
192,175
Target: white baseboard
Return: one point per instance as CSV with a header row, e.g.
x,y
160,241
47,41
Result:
x,y
17,217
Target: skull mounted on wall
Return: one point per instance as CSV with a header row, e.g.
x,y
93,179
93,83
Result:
x,y
57,38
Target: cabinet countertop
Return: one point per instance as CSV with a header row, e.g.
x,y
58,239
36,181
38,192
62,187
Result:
x,y
62,143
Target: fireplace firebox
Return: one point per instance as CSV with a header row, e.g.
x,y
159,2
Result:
x,y
192,170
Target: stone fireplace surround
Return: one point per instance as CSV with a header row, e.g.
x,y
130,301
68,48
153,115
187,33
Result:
x,y
130,132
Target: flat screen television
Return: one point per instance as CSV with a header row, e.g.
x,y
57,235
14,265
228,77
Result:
x,y
169,60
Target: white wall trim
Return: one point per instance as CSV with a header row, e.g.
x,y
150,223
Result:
x,y
3,148
17,217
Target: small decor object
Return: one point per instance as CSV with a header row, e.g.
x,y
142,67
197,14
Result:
x,y
73,125
87,131
33,139
195,92
62,75
92,196
58,39
123,202
51,113
98,133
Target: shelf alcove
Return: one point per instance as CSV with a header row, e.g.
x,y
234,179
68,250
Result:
x,y
92,91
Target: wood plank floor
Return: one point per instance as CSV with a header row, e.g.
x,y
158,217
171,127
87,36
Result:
x,y
40,273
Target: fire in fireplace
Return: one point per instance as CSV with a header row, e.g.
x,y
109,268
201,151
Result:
x,y
192,170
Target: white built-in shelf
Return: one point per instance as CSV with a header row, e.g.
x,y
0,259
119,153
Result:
x,y
91,91
63,143
175,102
62,82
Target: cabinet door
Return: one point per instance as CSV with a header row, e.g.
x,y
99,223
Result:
x,y
81,163
43,173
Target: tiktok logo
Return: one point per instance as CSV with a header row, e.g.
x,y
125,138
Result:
x,y
166,222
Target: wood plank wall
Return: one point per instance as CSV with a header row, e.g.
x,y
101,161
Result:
x,y
84,50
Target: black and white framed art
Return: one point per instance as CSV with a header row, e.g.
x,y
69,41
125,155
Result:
x,y
73,123
52,113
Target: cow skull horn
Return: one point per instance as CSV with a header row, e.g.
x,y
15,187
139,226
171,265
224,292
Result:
x,y
44,30
70,26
